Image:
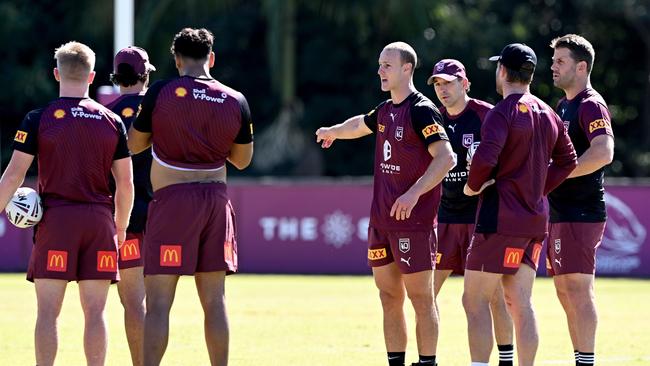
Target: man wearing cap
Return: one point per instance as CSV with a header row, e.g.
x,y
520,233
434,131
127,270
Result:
x,y
462,119
194,124
131,70
412,156
511,172
577,206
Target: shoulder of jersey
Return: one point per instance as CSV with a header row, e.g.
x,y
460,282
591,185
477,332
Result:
x,y
478,104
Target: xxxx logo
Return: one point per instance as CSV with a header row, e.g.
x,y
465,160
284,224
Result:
x,y
431,129
598,124
21,136
376,254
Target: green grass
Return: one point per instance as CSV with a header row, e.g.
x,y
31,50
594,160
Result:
x,y
320,320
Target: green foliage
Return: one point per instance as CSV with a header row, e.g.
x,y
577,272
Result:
x,y
333,75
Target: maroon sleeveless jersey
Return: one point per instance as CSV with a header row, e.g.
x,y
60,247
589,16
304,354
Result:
x,y
404,132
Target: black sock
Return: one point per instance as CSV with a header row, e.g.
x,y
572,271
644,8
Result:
x,y
576,354
506,354
396,358
427,360
586,358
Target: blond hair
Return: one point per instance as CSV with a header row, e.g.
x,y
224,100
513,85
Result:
x,y
406,52
74,61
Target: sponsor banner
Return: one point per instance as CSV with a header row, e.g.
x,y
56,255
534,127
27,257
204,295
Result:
x,y
321,228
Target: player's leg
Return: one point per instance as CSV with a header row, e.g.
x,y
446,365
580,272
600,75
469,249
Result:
x,y
503,327
439,279
578,289
419,288
49,298
131,291
563,295
160,291
388,280
93,294
518,290
211,289
479,291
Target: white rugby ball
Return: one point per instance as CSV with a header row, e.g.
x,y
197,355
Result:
x,y
25,208
471,150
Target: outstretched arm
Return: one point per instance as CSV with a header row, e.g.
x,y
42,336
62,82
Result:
x,y
352,128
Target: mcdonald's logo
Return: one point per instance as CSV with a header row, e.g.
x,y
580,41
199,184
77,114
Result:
x,y
512,257
375,254
106,261
537,251
170,255
130,250
57,260
438,258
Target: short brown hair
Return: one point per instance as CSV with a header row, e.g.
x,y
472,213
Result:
x,y
74,60
521,76
580,48
406,53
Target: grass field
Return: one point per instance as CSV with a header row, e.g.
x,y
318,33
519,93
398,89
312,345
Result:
x,y
323,320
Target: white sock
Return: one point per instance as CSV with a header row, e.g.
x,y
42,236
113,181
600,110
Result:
x,y
479,364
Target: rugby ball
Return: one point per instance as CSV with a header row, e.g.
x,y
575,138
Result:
x,y
471,150
25,208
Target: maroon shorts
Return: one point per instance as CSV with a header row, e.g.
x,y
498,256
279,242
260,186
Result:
x,y
412,251
75,242
572,247
453,241
504,254
190,228
130,254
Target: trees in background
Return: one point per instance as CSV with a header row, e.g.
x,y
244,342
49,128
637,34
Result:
x,y
303,64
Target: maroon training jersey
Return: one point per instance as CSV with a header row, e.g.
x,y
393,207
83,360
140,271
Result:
x,y
404,132
126,107
194,121
75,141
463,130
582,199
520,136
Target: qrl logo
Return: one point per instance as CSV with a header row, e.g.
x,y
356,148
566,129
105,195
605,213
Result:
x,y
387,150
170,255
512,257
57,260
130,250
106,261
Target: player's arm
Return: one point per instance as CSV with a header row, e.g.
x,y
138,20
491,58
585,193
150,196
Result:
x,y
444,159
494,132
563,159
140,131
25,146
14,175
122,170
241,151
596,123
352,128
599,153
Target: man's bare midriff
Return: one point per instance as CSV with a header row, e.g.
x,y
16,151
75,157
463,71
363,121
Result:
x,y
162,176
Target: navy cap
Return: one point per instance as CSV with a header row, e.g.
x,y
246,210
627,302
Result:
x,y
514,55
